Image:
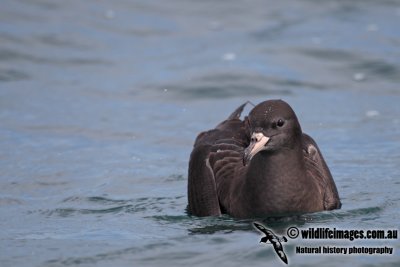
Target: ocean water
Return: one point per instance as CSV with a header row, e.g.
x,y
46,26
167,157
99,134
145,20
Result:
x,y
100,103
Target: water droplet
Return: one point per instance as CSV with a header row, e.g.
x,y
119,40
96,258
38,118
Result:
x,y
372,113
372,28
136,158
229,56
359,76
109,14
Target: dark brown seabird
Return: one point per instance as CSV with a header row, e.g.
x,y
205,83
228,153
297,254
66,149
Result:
x,y
261,166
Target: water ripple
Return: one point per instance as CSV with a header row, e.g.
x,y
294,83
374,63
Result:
x,y
11,75
12,55
104,206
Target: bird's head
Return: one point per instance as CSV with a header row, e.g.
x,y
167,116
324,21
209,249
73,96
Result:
x,y
272,126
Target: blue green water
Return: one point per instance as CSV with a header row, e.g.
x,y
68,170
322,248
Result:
x,y
100,103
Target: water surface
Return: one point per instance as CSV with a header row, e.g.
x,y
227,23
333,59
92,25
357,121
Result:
x,y
100,103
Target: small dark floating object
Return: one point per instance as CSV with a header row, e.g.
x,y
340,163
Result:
x,y
261,166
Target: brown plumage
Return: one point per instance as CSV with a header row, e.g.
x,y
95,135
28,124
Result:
x,y
260,166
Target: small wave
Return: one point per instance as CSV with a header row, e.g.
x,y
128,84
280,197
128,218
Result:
x,y
227,224
68,212
101,257
345,214
227,85
175,177
6,201
99,205
95,199
13,75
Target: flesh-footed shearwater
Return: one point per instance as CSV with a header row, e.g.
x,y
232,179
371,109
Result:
x,y
261,166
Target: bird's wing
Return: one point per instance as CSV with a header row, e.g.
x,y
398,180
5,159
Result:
x,y
318,170
207,164
279,250
260,227
226,161
202,194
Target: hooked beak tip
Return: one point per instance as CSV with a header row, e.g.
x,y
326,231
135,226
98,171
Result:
x,y
257,144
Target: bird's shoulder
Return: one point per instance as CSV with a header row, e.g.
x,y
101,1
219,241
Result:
x,y
226,144
318,171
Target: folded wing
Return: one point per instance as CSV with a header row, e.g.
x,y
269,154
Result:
x,y
213,158
318,170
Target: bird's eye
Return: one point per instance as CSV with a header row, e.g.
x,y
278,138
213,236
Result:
x,y
280,123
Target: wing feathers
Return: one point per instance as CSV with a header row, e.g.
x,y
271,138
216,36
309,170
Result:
x,y
319,171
